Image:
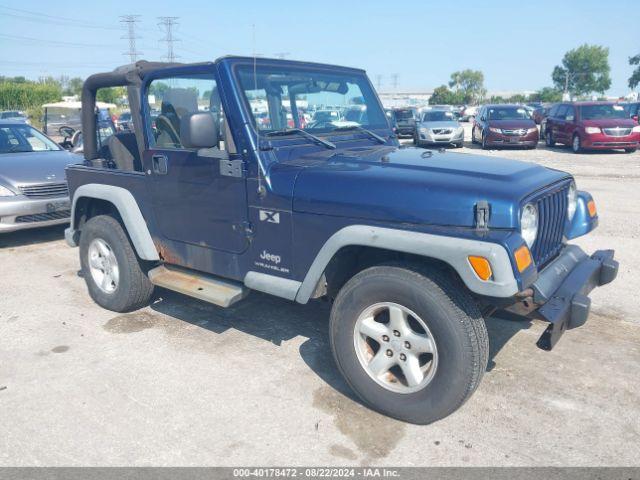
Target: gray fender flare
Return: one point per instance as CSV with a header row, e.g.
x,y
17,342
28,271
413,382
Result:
x,y
128,209
454,251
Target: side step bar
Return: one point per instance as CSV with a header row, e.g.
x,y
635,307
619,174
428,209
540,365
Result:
x,y
219,292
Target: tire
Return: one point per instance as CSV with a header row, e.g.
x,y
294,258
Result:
x,y
630,150
473,136
104,239
484,142
576,144
458,145
453,320
548,139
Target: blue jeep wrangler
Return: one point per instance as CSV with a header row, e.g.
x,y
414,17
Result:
x,y
227,184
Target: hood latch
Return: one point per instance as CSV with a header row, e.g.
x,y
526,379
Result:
x,y
483,212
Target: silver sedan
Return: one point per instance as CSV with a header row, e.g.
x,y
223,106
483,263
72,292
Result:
x,y
33,186
439,127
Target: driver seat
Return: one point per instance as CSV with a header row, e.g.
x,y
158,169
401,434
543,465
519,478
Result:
x,y
123,149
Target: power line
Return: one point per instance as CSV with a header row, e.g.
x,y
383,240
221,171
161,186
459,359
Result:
x,y
65,21
169,23
53,42
129,22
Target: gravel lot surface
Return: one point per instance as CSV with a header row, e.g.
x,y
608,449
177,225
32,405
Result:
x,y
186,383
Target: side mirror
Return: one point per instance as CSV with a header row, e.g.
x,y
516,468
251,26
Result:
x,y
199,130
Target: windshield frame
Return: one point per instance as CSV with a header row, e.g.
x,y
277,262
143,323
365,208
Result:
x,y
22,139
360,78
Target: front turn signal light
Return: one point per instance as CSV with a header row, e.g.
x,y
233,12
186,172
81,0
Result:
x,y
591,206
481,266
523,258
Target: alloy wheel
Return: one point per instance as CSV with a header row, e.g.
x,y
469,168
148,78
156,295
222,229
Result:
x,y
395,347
103,265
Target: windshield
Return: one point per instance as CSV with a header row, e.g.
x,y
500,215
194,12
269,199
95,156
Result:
x,y
316,101
597,112
23,138
125,116
11,115
508,113
438,116
404,114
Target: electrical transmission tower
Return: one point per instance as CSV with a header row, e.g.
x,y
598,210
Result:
x,y
129,22
395,81
168,23
378,82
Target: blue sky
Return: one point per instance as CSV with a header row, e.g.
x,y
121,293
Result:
x,y
515,44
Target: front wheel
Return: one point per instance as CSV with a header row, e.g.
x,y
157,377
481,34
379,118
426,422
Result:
x,y
110,268
576,144
484,141
412,344
548,139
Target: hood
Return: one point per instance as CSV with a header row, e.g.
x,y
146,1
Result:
x,y
27,168
610,122
524,123
444,124
417,186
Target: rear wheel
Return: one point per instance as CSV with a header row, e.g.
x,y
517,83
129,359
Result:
x,y
110,267
576,144
412,344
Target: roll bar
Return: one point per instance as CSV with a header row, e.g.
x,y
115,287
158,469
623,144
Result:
x,y
129,76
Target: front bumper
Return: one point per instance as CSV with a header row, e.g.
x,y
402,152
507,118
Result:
x,y
406,130
500,139
601,141
434,138
20,212
562,288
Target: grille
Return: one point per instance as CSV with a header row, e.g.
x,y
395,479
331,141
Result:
x,y
44,217
552,214
617,132
517,131
45,190
442,131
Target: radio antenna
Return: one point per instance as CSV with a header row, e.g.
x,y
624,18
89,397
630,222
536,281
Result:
x,y
261,189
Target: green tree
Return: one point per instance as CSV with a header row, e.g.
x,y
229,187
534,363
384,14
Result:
x,y
73,86
470,83
110,94
634,79
547,95
584,70
443,96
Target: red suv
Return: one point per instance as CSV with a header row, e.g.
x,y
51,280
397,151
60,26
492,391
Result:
x,y
504,126
591,125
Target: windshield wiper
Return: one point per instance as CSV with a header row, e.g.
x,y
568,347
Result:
x,y
373,135
299,131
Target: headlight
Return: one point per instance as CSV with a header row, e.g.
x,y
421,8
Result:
x,y
495,130
591,130
5,192
572,200
531,130
529,224
636,129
